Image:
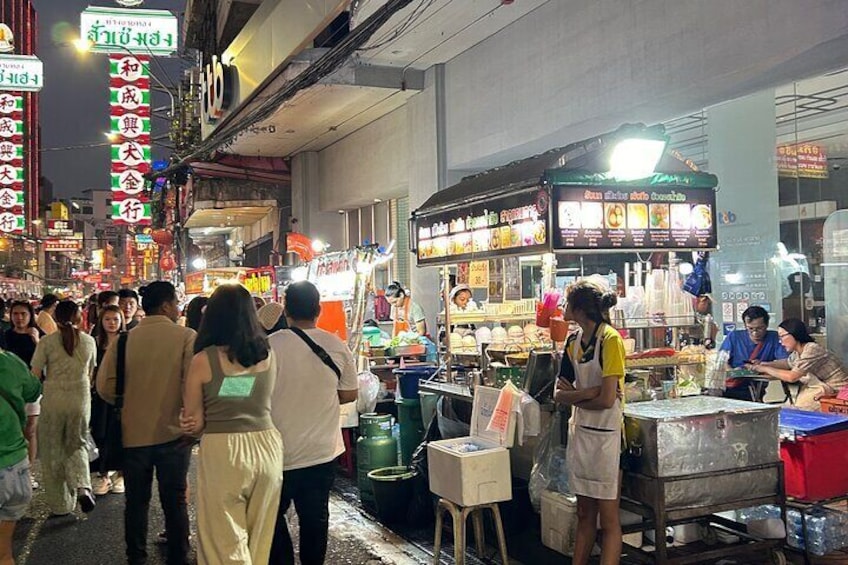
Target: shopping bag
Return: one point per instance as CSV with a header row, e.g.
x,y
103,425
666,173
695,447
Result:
x,y
698,282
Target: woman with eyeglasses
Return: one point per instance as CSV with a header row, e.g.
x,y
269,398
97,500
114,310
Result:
x,y
754,344
820,372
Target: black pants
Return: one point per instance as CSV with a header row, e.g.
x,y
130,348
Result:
x,y
309,489
170,461
742,392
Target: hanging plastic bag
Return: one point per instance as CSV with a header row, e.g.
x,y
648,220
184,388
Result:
x,y
549,466
93,452
369,388
499,421
698,282
717,363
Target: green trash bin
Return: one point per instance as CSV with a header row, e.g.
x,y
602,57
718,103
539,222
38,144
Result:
x,y
411,427
392,488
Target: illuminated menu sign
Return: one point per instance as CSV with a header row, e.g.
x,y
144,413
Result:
x,y
511,225
260,281
645,218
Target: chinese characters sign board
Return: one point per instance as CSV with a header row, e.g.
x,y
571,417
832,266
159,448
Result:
x,y
129,96
802,160
21,73
122,31
12,217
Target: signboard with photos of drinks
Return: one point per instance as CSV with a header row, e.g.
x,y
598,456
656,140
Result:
x,y
620,219
510,225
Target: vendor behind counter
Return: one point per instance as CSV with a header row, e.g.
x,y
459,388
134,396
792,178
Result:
x,y
406,314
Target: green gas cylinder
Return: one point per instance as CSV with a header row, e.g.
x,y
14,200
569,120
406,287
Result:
x,y
411,427
375,449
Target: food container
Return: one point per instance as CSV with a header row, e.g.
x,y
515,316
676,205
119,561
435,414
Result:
x,y
699,434
814,456
474,477
559,521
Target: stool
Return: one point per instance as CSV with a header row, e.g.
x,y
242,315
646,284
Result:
x,y
459,514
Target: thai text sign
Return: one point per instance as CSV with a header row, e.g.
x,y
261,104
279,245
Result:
x,y
802,160
511,225
141,32
619,219
21,72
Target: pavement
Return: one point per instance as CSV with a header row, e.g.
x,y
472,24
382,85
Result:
x,y
97,538
356,536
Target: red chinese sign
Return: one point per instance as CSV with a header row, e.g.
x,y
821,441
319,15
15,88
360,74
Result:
x,y
12,218
129,86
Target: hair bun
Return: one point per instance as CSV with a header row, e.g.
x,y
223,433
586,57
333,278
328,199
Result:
x,y
608,300
142,290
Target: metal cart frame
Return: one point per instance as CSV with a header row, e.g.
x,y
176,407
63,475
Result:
x,y
656,516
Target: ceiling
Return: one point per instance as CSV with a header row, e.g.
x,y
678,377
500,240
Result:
x,y
813,110
382,77
428,32
226,218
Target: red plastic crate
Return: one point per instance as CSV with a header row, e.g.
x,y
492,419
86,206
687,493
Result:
x,y
816,467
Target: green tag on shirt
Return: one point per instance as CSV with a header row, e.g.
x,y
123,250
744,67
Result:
x,y
237,387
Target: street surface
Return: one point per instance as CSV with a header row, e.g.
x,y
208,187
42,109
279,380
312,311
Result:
x,y
97,538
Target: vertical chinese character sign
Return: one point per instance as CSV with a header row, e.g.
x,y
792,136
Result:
x,y
129,86
12,215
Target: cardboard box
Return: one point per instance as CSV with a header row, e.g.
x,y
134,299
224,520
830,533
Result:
x,y
834,406
559,521
476,477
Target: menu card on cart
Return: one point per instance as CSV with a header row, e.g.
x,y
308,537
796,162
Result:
x,y
496,281
649,218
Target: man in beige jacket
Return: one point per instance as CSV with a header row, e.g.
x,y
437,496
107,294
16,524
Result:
x,y
158,355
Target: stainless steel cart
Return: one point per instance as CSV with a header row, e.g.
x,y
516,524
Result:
x,y
649,498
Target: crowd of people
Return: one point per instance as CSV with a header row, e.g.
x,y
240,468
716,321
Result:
x,y
256,386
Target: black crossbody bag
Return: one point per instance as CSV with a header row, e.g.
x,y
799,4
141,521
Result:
x,y
114,442
319,351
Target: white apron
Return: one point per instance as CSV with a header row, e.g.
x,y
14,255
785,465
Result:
x,y
594,436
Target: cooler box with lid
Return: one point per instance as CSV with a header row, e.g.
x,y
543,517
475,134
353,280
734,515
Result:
x,y
474,477
814,449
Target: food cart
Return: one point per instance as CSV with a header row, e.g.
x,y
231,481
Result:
x,y
593,219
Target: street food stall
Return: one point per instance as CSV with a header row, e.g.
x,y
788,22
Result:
x,y
518,235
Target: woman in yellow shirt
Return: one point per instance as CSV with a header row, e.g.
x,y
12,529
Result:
x,y
591,379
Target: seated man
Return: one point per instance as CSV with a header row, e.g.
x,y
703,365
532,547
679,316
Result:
x,y
754,343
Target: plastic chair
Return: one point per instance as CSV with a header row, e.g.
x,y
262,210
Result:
x,y
459,515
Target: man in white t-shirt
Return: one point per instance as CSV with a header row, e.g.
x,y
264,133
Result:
x,y
305,408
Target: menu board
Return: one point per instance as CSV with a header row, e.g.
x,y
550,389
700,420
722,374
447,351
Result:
x,y
642,218
510,225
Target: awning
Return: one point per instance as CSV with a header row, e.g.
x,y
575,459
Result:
x,y
584,162
517,175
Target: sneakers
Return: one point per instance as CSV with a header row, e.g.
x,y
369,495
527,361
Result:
x,y
35,485
118,484
102,485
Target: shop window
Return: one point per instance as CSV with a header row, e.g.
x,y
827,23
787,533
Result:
x,y
812,151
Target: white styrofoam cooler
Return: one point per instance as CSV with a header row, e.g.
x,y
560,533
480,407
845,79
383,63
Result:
x,y
477,477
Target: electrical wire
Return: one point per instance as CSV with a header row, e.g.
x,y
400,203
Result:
x,y
327,64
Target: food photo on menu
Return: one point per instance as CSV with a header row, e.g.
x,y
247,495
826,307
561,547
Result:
x,y
702,217
681,215
659,217
615,216
637,216
592,216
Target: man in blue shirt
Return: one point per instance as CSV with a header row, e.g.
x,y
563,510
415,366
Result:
x,y
755,342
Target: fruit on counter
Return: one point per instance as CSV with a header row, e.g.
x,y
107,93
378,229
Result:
x,y
469,343
658,352
498,335
483,335
515,333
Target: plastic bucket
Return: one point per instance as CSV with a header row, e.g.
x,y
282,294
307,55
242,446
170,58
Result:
x,y
408,380
392,492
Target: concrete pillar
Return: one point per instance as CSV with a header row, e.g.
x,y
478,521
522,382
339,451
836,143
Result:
x,y
742,140
312,221
423,182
